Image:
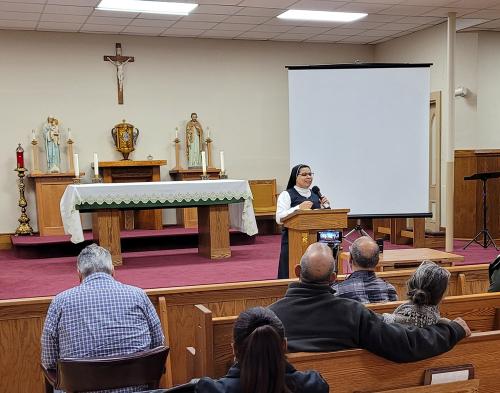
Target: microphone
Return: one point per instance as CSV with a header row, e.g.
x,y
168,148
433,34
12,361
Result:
x,y
315,190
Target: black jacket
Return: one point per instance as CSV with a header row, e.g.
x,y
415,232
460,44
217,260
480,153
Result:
x,y
317,321
297,381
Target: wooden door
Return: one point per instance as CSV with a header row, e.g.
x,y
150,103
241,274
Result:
x,y
433,224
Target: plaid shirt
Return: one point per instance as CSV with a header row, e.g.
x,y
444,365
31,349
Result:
x,y
365,287
99,318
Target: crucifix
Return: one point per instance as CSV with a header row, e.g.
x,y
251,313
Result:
x,y
119,61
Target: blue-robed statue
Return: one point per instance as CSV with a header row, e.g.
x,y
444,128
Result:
x,y
52,141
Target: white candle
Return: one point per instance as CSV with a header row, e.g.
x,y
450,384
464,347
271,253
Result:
x,y
203,163
208,132
222,167
176,133
76,166
96,166
69,133
33,135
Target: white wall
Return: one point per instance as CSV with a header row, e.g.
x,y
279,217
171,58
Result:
x,y
238,88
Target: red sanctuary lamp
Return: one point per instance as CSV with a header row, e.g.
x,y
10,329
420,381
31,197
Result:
x,y
20,156
24,227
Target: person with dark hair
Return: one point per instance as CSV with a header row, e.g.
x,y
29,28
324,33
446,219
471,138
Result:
x,y
426,288
259,347
296,196
316,320
363,284
494,273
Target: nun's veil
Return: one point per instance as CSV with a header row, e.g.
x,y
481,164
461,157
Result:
x,y
293,175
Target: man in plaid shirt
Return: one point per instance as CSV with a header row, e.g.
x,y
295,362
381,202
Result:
x,y
362,284
99,318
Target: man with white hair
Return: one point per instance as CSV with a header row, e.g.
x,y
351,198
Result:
x,y
100,317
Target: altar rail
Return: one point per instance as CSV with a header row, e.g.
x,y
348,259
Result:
x,y
21,320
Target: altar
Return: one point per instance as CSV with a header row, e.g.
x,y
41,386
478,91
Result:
x,y
221,204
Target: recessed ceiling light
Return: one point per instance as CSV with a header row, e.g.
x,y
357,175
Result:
x,y
150,7
328,16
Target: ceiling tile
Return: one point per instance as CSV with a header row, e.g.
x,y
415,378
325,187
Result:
x,y
20,7
364,7
434,3
220,34
63,18
420,19
18,24
146,30
256,20
68,10
308,30
362,25
485,14
399,26
474,3
81,3
28,1
267,3
98,28
443,11
204,18
381,18
255,11
193,25
292,37
317,5
256,35
344,32
273,28
358,40
182,32
218,2
216,9
407,10
377,33
378,1
6,15
494,24
159,17
152,23
326,38
101,20
234,26
58,26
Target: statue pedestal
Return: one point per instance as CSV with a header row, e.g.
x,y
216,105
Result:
x,y
188,217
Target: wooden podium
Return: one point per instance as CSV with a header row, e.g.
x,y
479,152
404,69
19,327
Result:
x,y
127,171
303,226
188,216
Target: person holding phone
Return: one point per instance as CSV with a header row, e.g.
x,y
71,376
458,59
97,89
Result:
x,y
297,196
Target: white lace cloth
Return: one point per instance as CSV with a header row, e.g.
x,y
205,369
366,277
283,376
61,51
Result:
x,y
241,214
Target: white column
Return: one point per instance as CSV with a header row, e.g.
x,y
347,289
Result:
x,y
450,134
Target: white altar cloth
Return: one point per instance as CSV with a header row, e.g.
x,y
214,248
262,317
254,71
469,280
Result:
x,y
97,196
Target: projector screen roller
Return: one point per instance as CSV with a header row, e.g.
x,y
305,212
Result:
x,y
364,130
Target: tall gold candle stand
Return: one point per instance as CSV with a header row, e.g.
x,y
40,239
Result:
x,y
208,141
69,152
36,157
24,227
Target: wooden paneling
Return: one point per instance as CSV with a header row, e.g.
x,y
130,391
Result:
x,y
213,223
469,386
468,203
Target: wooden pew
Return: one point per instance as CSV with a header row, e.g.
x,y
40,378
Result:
x,y
21,320
469,386
214,334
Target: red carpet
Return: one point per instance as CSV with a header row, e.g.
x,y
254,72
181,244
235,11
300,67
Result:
x,y
21,278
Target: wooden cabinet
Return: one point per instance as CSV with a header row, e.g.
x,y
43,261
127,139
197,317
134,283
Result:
x,y
128,171
468,195
188,217
49,188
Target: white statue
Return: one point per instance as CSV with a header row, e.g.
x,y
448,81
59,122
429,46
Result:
x,y
52,142
119,70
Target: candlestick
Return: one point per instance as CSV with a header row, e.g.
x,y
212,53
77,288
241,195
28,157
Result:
x,y
96,166
222,167
203,163
20,156
76,165
208,132
24,227
176,133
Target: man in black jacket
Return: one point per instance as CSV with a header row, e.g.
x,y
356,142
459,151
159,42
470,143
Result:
x,y
317,321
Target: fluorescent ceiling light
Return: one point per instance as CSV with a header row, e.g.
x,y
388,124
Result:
x,y
150,7
322,15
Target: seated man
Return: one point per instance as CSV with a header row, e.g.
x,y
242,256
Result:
x,y
316,320
100,317
362,284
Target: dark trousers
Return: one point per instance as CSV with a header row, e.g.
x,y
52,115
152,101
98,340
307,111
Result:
x,y
283,265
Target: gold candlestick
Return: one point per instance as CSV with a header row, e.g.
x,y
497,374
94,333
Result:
x,y
36,157
24,227
69,151
222,175
177,153
208,141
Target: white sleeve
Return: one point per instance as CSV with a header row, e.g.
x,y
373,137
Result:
x,y
283,208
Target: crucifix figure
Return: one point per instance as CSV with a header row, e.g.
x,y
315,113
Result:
x,y
119,61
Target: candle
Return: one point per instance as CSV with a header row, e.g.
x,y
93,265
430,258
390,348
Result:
x,y
20,156
208,132
69,134
96,166
176,133
203,163
76,166
222,168
33,135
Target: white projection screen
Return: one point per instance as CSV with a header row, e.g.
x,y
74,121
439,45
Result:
x,y
364,130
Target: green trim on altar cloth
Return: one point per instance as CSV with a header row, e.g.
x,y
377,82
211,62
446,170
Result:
x,y
155,205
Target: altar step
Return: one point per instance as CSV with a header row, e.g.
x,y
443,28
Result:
x,y
170,237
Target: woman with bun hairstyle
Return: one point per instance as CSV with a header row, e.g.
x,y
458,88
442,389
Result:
x,y
426,288
259,347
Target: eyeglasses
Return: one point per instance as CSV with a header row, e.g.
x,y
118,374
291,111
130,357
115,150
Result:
x,y
306,174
